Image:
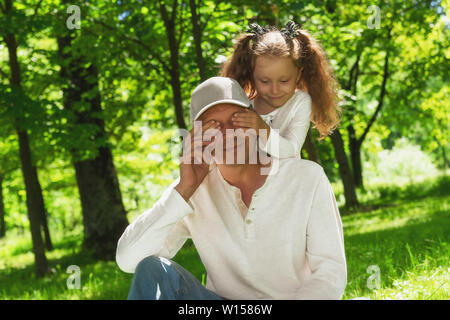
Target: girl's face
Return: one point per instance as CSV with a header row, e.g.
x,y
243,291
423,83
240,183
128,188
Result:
x,y
275,79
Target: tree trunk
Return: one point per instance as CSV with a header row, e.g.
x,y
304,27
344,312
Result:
x,y
198,40
356,143
104,216
357,167
47,238
351,199
311,149
444,156
35,201
2,211
351,113
355,156
174,64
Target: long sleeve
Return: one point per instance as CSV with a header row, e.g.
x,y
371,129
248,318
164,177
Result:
x,y
158,231
324,247
287,142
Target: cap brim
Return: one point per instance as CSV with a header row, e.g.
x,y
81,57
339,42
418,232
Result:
x,y
231,101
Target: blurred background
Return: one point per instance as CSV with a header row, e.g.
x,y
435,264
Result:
x,y
92,94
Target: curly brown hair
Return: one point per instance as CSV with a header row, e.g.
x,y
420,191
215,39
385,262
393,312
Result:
x,y
317,76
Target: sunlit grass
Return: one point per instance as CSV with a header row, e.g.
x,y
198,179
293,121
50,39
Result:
x,y
403,231
423,283
407,243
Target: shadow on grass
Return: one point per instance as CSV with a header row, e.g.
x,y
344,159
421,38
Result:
x,y
363,208
99,279
415,191
69,242
389,195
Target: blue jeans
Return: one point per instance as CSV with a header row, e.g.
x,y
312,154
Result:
x,y
158,278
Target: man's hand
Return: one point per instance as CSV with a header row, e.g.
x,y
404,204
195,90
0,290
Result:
x,y
192,174
250,119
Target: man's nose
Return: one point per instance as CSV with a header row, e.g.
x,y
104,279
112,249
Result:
x,y
226,125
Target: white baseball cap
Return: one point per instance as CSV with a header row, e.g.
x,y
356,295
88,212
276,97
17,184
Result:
x,y
214,91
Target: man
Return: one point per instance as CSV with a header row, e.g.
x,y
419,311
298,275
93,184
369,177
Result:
x,y
259,236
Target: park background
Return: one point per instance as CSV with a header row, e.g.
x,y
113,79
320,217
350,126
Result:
x,y
92,94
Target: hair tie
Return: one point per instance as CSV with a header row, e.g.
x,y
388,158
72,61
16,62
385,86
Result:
x,y
291,31
257,30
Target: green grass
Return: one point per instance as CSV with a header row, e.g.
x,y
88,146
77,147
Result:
x,y
408,242
403,231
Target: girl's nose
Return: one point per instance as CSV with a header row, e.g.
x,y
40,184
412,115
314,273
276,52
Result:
x,y
275,89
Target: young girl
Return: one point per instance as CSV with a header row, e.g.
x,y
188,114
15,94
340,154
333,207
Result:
x,y
287,76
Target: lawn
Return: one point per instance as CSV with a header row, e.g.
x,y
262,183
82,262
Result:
x,y
397,247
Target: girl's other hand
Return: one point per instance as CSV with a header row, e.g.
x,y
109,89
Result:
x,y
250,119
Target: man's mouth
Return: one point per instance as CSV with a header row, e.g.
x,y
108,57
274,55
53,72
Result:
x,y
232,145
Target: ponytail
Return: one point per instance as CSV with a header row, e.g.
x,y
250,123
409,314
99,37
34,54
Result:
x,y
240,65
319,81
317,77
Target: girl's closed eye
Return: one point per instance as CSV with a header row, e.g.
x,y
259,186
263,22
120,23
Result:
x,y
282,81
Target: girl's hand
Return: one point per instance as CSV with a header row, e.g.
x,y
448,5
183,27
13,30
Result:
x,y
250,119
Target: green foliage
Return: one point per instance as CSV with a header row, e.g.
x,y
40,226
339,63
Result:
x,y
403,161
126,41
437,187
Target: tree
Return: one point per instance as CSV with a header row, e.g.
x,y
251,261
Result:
x,y
351,200
2,210
376,54
311,148
35,201
197,32
104,216
170,23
